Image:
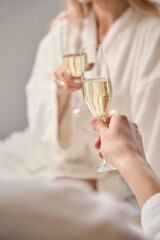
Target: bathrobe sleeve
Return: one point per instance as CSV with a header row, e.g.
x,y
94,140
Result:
x,y
151,217
146,103
41,89
42,106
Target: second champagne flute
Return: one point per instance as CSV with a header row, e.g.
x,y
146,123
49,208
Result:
x,y
97,88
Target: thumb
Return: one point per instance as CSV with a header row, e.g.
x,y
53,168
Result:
x,y
98,125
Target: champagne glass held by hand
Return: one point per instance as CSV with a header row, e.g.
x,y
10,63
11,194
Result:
x,y
70,36
97,88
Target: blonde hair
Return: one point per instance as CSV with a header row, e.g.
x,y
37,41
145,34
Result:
x,y
75,11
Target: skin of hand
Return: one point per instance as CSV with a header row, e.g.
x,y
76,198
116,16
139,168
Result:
x,y
65,82
118,138
65,85
121,144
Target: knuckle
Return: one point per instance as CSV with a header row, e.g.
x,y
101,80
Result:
x,y
124,117
121,118
113,113
135,125
96,126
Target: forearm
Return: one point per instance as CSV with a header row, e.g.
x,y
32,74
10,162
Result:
x,y
63,98
141,179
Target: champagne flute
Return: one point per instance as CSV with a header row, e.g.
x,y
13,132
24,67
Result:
x,y
70,37
97,88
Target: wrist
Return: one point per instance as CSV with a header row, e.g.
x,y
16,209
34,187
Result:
x,y
141,178
62,93
63,99
131,162
132,167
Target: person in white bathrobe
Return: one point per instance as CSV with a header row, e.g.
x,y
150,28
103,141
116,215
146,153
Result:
x,y
58,144
37,208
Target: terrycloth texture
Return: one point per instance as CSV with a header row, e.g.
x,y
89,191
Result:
x,y
151,217
132,46
36,208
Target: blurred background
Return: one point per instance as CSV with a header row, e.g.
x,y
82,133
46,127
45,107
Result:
x,y
22,24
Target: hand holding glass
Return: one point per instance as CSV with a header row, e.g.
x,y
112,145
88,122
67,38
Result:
x,y
70,36
97,88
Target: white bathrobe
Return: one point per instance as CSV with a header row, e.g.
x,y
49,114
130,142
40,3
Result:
x,y
36,208
132,46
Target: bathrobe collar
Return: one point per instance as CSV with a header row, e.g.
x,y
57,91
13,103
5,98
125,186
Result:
x,y
89,34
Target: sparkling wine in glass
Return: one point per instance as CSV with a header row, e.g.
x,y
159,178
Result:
x,y
72,63
97,88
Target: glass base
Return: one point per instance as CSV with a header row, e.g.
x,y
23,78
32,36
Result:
x,y
104,167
